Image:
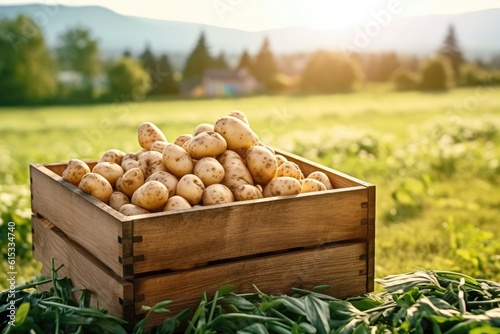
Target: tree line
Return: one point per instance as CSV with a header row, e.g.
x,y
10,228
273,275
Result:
x,y
75,72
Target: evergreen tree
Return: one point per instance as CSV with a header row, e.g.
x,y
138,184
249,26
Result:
x,y
451,50
220,61
27,69
246,62
266,68
163,81
198,61
436,74
78,51
148,59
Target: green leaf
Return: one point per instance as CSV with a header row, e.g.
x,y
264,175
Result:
x,y
226,289
161,304
294,305
317,313
22,312
322,287
255,328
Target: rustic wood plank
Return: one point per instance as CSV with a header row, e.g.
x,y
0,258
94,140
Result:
x,y
83,218
83,268
371,238
340,266
173,240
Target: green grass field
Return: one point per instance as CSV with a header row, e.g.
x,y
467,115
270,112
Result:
x,y
435,159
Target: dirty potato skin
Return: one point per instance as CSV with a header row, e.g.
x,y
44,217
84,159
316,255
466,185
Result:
x,y
169,180
217,194
97,186
152,196
132,210
151,162
110,170
240,115
129,161
131,181
203,127
191,188
289,168
118,199
237,133
245,192
176,203
177,160
158,146
283,185
235,170
113,155
209,170
75,170
321,177
183,139
206,144
311,185
261,163
148,133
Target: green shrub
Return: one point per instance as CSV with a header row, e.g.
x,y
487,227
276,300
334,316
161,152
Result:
x,y
404,79
436,74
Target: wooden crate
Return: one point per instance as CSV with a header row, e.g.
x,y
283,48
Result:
x,y
276,243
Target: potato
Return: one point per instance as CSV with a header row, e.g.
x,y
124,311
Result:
x,y
245,192
75,170
110,170
112,155
209,170
129,161
237,133
283,185
158,146
152,196
97,186
261,163
176,203
182,139
177,160
131,181
235,170
321,177
117,200
191,188
280,158
132,210
203,127
217,194
311,185
151,162
118,184
240,115
141,152
148,133
289,168
206,144
167,179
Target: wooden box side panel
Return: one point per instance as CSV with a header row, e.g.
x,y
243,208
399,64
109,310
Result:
x,y
80,216
108,290
175,240
371,238
342,266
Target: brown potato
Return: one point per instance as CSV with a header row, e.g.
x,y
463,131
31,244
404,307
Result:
x,y
240,115
191,188
311,185
183,138
131,181
235,170
281,159
261,163
113,155
129,161
217,194
110,170
151,162
321,177
176,203
203,127
237,133
169,180
132,210
75,170
158,146
283,185
117,200
152,196
245,192
206,144
177,160
289,168
97,186
148,133
209,170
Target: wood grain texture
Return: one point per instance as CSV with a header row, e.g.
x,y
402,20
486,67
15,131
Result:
x,y
342,266
371,238
173,240
83,218
82,267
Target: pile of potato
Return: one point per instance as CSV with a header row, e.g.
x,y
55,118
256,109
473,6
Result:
x,y
218,163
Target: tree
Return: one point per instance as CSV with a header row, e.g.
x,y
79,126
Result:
x,y
436,74
246,62
404,79
326,72
78,51
128,80
163,81
148,59
27,68
220,61
266,68
198,61
451,50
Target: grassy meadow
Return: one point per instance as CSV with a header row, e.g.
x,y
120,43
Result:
x,y
434,157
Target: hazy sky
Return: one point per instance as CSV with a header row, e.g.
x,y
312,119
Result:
x,y
264,14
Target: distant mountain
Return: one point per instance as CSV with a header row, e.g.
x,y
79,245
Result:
x,y
478,33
